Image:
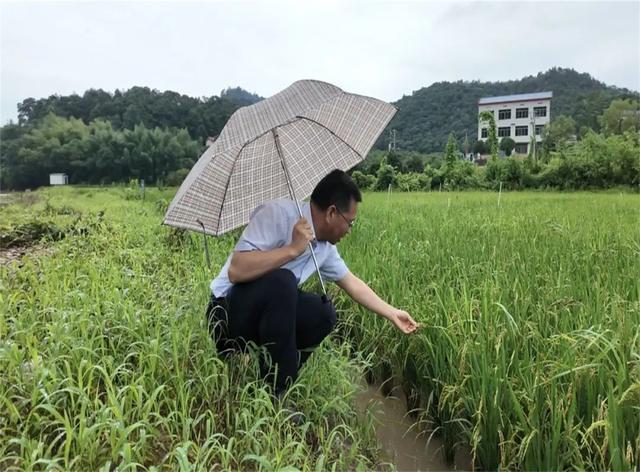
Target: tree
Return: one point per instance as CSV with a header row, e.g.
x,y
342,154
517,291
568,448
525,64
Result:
x,y
466,147
534,151
507,144
393,159
479,147
362,180
415,164
451,150
621,116
556,134
492,141
386,176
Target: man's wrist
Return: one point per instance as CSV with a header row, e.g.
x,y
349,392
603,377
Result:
x,y
292,252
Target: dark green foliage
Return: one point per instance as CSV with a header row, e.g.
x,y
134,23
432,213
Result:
x,y
363,181
386,176
492,140
451,150
393,159
93,153
459,175
557,134
427,116
507,144
621,116
415,164
594,162
510,172
201,117
480,148
413,182
240,96
175,177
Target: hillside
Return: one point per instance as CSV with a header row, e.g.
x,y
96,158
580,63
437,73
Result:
x,y
427,116
423,122
201,116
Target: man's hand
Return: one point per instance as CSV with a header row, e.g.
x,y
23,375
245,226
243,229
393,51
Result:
x,y
301,236
404,322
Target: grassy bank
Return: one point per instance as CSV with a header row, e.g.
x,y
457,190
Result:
x,y
106,360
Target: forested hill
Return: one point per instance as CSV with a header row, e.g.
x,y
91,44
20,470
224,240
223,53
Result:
x,y
427,116
423,122
201,117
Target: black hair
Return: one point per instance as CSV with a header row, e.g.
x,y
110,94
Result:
x,y
336,188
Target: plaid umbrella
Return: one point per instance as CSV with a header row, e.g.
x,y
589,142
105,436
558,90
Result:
x,y
277,148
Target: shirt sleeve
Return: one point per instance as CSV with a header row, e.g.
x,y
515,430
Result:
x,y
333,268
266,229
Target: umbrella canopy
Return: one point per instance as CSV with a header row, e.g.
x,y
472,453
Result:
x,y
277,148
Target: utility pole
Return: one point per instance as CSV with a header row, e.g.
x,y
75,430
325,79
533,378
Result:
x,y
392,144
466,145
535,136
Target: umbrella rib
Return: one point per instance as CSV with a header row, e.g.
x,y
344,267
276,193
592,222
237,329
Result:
x,y
226,187
331,132
224,195
298,117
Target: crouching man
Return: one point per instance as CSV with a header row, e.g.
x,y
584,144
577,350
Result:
x,y
256,296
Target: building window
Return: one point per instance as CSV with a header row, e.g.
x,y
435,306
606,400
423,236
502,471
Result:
x,y
504,131
539,129
522,113
484,132
522,130
540,111
522,148
504,114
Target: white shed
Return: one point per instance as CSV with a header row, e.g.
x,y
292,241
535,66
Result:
x,y
58,179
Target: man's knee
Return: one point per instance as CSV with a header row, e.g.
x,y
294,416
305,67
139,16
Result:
x,y
281,279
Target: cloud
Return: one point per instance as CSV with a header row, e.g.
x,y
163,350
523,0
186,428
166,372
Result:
x,y
383,49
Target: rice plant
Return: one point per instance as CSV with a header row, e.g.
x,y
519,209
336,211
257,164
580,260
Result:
x,y
531,347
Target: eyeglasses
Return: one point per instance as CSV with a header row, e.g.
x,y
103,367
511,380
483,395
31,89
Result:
x,y
350,223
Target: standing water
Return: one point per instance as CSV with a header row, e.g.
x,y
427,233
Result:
x,y
402,445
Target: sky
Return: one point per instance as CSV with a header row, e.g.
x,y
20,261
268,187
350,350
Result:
x,y
384,49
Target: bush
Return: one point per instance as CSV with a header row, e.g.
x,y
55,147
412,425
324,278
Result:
x,y
363,181
459,175
512,172
386,176
176,177
413,182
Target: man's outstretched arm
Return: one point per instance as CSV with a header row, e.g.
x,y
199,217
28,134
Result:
x,y
365,296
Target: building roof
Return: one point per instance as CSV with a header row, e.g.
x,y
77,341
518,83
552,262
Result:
x,y
515,98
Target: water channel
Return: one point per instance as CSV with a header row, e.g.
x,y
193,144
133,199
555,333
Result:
x,y
402,444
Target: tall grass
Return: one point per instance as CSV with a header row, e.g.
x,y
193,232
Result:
x,y
531,346
106,361
530,352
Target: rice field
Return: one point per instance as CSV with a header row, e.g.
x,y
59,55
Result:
x,y
531,351
530,354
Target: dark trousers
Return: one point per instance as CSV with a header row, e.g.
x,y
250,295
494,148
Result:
x,y
272,312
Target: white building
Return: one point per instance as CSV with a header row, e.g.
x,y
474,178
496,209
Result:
x,y
58,179
517,116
